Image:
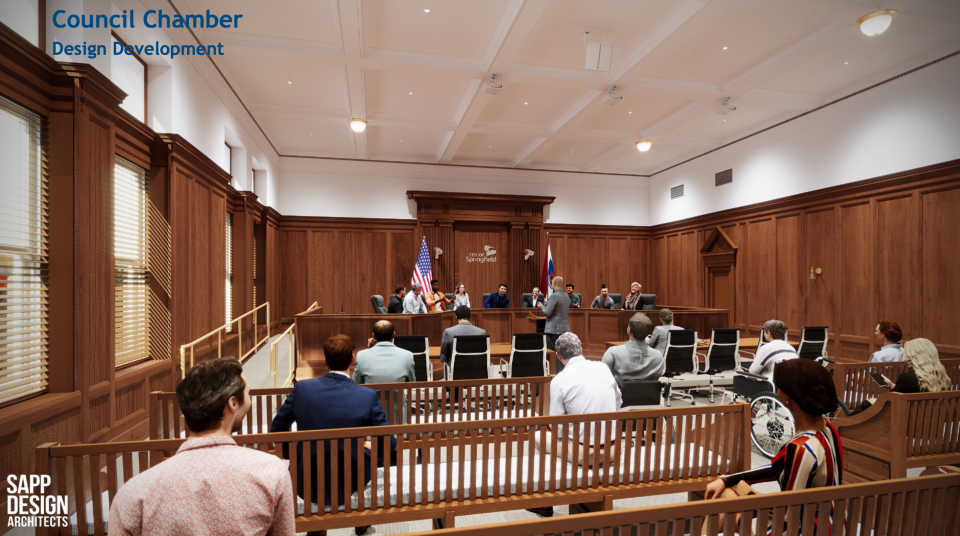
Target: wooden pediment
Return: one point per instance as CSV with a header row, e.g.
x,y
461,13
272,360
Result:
x,y
719,247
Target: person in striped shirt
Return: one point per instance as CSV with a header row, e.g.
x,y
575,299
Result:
x,y
814,457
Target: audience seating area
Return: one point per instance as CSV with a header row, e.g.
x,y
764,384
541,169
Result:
x,y
854,383
653,452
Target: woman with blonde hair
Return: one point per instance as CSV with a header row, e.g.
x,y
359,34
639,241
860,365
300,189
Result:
x,y
924,374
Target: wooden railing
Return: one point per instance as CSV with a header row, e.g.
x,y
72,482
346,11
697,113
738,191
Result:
x,y
854,383
291,354
220,331
904,506
449,469
413,403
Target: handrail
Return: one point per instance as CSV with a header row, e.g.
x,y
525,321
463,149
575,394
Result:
x,y
275,354
219,332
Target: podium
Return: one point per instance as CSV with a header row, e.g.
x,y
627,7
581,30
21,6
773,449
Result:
x,y
540,320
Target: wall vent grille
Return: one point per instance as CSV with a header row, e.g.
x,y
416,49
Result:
x,y
724,177
676,191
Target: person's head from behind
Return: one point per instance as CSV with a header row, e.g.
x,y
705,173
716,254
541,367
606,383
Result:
x,y
338,352
666,316
416,288
557,284
400,290
463,313
774,330
634,288
603,290
888,332
503,289
214,395
639,327
804,385
383,331
569,288
461,289
568,347
922,356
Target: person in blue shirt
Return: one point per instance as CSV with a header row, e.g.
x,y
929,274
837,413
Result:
x,y
498,300
888,336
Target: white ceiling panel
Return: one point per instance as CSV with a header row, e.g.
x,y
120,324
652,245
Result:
x,y
716,126
414,94
265,81
634,114
491,147
573,153
528,104
309,135
388,142
661,154
288,19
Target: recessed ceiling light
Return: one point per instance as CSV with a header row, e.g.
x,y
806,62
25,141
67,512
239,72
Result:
x,y
426,11
289,82
401,141
526,103
725,48
410,93
489,145
846,63
571,152
724,120
311,134
629,112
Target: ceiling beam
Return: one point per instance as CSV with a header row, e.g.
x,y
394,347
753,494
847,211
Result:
x,y
351,35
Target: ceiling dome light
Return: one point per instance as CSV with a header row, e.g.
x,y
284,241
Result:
x,y
358,125
644,145
877,22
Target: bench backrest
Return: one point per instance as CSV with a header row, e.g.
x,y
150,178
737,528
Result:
x,y
854,384
425,402
883,507
665,446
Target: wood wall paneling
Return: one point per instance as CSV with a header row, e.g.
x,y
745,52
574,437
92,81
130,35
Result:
x,y
857,317
790,274
941,259
900,272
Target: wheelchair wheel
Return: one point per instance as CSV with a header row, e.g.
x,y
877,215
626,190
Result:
x,y
772,425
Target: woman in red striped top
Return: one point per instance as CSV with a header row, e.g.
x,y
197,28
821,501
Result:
x,y
814,458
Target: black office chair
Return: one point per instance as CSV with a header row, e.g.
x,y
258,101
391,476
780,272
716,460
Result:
x,y
450,296
419,346
680,363
528,356
640,394
723,358
648,301
813,343
579,297
471,358
377,301
525,300
617,300
485,296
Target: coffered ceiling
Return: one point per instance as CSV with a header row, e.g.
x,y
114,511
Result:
x,y
303,67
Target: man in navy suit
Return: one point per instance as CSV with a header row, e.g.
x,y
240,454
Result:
x,y
334,401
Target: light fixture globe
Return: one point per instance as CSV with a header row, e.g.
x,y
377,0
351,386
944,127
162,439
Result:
x,y
877,22
358,125
644,145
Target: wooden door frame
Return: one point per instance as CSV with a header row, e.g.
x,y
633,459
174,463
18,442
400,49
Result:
x,y
719,251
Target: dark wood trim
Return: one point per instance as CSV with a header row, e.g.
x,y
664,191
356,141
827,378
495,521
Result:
x,y
610,230
421,195
301,223
42,25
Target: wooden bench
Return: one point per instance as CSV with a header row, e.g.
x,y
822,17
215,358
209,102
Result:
x,y
436,401
925,505
854,383
659,451
900,432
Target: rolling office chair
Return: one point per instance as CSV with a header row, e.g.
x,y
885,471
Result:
x,y
450,296
648,302
813,343
377,301
525,300
419,346
485,296
680,363
528,356
641,394
723,359
470,359
617,301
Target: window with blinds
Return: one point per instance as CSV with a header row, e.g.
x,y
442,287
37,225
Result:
x,y
24,261
131,272
228,282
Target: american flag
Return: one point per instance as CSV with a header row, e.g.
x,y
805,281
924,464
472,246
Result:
x,y
422,272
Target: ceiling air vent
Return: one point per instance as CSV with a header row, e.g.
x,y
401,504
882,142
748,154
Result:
x,y
676,191
724,177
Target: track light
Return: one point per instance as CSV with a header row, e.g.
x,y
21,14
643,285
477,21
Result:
x,y
358,125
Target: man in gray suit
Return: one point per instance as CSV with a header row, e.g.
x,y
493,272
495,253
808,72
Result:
x,y
658,339
557,310
463,327
635,360
384,362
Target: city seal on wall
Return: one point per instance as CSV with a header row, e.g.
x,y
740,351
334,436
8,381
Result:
x,y
489,255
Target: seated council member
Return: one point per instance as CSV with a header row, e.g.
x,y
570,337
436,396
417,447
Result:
x,y
775,351
463,327
537,299
460,297
814,457
583,386
330,402
632,301
557,311
603,301
574,299
888,334
436,300
498,300
924,374
413,303
658,339
396,301
212,486
635,360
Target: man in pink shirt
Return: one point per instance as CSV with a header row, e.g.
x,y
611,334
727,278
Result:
x,y
212,486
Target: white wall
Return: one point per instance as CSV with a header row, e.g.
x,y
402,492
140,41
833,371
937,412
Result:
x,y
907,123
22,17
337,188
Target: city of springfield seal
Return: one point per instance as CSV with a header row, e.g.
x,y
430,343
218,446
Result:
x,y
29,505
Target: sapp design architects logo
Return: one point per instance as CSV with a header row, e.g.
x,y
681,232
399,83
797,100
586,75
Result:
x,y
29,505
488,255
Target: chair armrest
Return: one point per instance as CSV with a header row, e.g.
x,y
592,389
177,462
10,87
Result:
x,y
843,406
752,375
749,353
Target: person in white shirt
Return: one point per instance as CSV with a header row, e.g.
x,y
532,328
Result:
x,y
583,386
460,297
888,335
774,351
413,302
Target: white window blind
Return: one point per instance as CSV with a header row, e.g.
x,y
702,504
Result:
x,y
228,282
131,283
23,254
